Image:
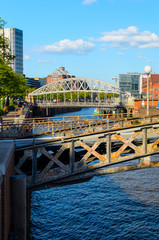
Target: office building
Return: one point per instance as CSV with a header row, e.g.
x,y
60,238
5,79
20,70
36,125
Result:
x,y
33,83
130,82
153,86
15,37
58,74
36,82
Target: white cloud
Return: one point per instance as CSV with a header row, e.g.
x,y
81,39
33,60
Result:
x,y
103,49
66,46
120,53
131,37
150,45
140,57
88,2
43,60
26,57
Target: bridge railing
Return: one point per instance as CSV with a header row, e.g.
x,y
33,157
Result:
x,y
73,103
70,125
75,158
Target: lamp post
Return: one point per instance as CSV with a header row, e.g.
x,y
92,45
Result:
x,y
147,70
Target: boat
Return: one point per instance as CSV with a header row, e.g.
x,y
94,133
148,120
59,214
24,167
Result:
x,y
97,111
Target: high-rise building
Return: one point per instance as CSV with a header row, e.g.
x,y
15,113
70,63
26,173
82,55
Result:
x,y
130,82
15,37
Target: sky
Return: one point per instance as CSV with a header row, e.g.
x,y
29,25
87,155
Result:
x,y
98,39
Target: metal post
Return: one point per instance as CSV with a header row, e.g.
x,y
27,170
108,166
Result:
x,y
144,141
57,97
107,121
33,127
34,164
147,94
72,156
108,153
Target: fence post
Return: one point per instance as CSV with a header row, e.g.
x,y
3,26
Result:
x,y
72,156
34,164
108,147
107,121
52,129
144,141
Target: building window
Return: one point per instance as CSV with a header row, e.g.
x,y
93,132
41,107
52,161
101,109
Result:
x,y
156,95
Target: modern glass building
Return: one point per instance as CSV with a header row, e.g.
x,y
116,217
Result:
x,y
130,82
15,37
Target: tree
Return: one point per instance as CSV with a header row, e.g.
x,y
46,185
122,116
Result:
x,y
11,84
5,53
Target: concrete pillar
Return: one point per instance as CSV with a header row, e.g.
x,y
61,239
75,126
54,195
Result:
x,y
47,111
18,196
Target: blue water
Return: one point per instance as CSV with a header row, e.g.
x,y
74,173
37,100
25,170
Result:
x,y
117,206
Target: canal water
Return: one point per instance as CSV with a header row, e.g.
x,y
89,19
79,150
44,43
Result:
x,y
118,206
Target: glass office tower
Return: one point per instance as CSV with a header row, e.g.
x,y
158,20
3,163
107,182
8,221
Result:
x,y
130,82
15,37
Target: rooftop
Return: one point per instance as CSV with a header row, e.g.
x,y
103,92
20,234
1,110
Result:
x,y
60,71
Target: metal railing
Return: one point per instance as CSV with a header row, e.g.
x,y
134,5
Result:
x,y
82,157
70,125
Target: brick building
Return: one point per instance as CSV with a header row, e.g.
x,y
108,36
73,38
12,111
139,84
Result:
x,y
58,74
153,86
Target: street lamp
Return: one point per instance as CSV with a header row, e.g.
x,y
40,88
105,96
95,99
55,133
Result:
x,y
147,70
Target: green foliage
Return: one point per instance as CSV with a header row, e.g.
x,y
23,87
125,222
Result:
x,y
5,53
11,84
29,90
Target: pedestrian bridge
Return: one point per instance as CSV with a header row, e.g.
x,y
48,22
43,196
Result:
x,y
78,157
79,92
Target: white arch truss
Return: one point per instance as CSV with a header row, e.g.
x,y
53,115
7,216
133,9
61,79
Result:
x,y
76,85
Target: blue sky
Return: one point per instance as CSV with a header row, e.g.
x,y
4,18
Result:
x,y
90,38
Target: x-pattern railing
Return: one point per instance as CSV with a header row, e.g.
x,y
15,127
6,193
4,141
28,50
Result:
x,y
74,156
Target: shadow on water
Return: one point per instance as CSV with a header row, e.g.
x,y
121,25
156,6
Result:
x,y
118,206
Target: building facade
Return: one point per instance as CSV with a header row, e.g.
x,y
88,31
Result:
x,y
36,82
58,74
153,86
15,37
130,82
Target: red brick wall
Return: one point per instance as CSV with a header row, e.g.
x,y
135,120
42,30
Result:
x,y
153,86
138,103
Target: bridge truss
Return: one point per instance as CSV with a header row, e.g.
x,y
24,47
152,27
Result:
x,y
95,88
